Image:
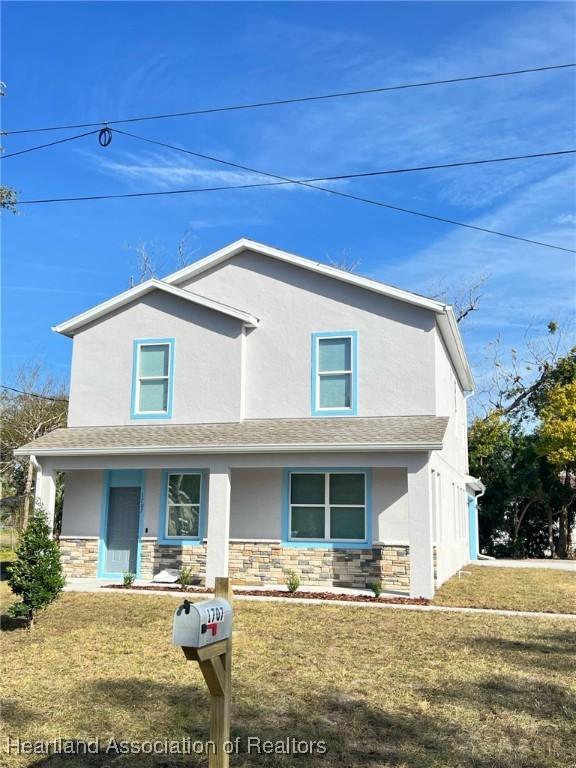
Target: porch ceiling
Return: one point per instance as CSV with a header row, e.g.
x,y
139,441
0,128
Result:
x,y
411,433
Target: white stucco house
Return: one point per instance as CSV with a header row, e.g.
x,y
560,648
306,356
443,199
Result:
x,y
255,412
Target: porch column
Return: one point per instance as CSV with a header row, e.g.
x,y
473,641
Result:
x,y
45,492
218,531
420,530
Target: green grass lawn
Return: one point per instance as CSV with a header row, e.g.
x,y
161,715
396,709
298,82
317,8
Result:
x,y
517,589
381,687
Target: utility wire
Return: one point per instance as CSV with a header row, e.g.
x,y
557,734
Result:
x,y
35,394
297,100
306,184
50,144
339,177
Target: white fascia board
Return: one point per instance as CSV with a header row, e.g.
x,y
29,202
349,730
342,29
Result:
x,y
173,450
69,327
314,266
453,340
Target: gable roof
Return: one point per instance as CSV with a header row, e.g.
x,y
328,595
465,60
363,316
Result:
x,y
379,433
444,313
70,327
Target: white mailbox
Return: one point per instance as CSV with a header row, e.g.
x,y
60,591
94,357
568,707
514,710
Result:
x,y
199,624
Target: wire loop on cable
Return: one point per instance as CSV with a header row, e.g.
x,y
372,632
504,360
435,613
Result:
x,y
105,137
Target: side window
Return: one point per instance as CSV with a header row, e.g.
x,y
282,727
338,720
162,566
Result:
x,y
152,379
334,374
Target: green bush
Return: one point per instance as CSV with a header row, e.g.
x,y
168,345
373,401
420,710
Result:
x,y
292,581
376,587
36,573
128,578
186,577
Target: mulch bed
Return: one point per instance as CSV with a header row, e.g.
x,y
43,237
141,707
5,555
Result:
x,y
278,593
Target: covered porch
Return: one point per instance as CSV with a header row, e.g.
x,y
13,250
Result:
x,y
348,515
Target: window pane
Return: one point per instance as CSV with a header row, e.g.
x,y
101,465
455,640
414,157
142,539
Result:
x,y
184,489
335,391
154,360
347,523
183,520
334,355
347,488
153,395
307,488
307,523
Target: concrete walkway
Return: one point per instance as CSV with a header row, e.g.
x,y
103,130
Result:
x,y
558,565
97,585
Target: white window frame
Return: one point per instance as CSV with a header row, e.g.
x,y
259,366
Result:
x,y
168,505
348,372
327,505
140,379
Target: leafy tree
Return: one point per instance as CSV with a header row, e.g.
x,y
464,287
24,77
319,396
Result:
x,y
524,450
556,438
38,407
8,199
36,575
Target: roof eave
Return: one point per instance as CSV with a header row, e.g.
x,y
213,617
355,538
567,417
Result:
x,y
248,448
70,327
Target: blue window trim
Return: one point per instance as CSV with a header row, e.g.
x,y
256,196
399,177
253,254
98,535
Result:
x,y
321,544
316,410
174,541
116,478
134,414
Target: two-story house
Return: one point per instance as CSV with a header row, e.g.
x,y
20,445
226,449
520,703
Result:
x,y
256,412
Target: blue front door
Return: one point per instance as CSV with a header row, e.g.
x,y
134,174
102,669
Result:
x,y
122,530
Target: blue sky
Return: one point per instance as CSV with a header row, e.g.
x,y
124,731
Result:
x,y
81,61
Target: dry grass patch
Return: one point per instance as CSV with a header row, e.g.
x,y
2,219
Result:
x,y
380,687
516,589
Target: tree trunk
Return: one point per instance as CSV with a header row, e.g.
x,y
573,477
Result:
x,y
562,548
30,619
27,494
551,534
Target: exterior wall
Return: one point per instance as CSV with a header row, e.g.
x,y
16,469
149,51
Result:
x,y
82,503
449,470
207,371
262,563
395,339
257,554
79,556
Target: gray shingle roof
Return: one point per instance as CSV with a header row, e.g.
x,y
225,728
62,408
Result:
x,y
252,435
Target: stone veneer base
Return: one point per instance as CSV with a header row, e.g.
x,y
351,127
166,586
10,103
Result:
x,y
262,563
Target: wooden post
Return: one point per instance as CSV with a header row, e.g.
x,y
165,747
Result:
x,y
220,707
215,662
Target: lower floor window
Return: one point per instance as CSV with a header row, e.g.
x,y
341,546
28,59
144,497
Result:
x,y
183,505
327,506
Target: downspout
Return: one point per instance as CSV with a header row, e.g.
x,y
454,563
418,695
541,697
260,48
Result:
x,y
480,556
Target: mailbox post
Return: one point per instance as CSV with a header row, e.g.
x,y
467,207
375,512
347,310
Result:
x,y
204,632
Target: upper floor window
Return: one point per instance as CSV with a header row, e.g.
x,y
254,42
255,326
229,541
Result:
x,y
334,373
153,376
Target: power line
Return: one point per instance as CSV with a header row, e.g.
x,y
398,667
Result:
x,y
35,394
296,100
50,144
306,184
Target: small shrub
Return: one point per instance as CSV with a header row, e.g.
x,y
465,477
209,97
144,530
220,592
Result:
x,y
376,587
36,573
186,577
292,581
128,578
